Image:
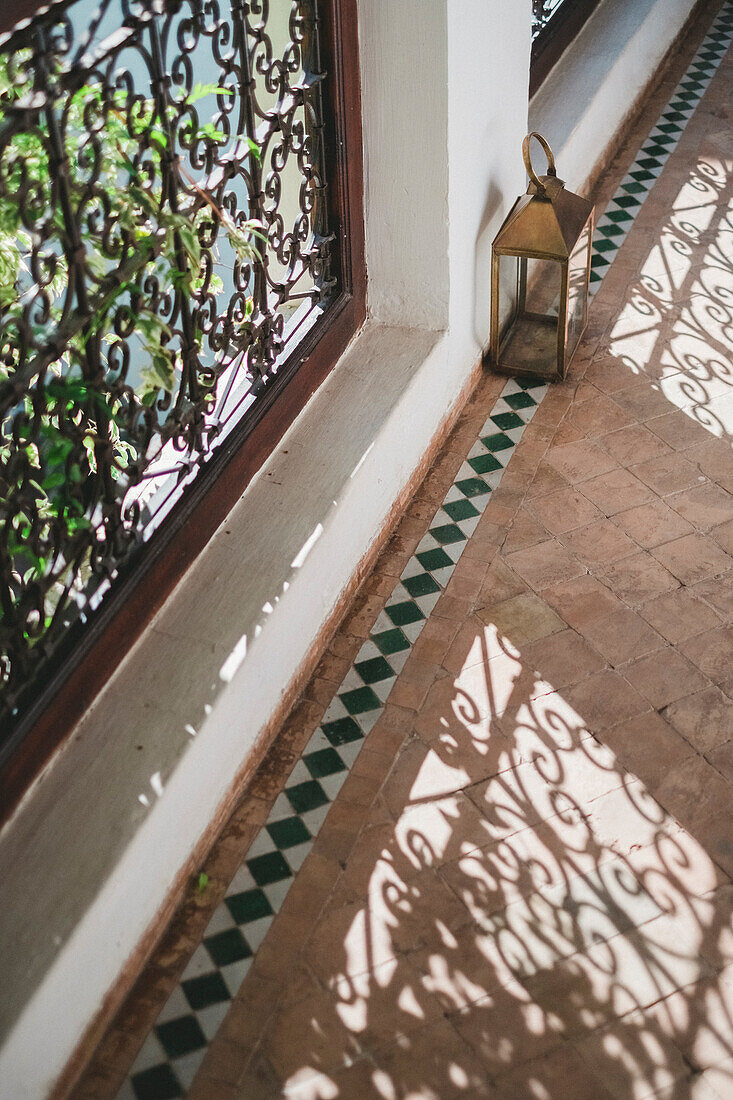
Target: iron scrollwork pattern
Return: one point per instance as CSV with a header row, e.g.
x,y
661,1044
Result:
x,y
164,245
542,13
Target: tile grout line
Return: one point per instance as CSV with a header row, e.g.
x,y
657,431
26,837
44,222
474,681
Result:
x,y
174,1049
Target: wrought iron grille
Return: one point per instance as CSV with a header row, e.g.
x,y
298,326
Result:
x,y
542,13
164,246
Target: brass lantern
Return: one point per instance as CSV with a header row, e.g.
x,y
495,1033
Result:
x,y
540,273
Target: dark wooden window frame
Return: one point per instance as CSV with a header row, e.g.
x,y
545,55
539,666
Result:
x,y
553,39
138,595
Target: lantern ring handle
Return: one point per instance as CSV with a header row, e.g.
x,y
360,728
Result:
x,y
528,160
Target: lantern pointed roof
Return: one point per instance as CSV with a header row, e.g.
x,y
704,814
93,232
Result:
x,y
537,223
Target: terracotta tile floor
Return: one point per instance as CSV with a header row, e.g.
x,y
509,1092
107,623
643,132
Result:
x,y
523,888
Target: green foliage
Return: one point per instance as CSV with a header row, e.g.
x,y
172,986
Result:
x,y
50,448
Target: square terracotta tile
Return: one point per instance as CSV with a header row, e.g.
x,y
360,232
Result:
x,y
642,402
599,543
679,615
577,462
664,676
705,506
616,491
638,579
694,792
546,480
633,445
545,564
562,659
610,375
678,430
581,601
647,746
522,619
722,759
723,535
718,592
605,699
668,474
705,718
713,457
652,523
524,531
693,558
598,416
563,511
622,636
712,652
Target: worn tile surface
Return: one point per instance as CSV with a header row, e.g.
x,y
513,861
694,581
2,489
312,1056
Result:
x,y
490,855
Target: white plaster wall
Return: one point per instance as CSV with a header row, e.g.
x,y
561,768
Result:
x,y
586,96
488,52
85,863
404,73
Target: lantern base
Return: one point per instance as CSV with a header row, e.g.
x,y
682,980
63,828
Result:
x,y
529,349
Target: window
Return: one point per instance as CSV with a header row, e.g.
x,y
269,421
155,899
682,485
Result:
x,y
181,263
555,24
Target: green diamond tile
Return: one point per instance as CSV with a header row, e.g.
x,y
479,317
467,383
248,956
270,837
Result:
x,y
642,175
343,731
612,230
634,189
303,797
671,128
648,162
227,947
272,866
249,905
374,670
618,216
457,510
438,558
656,150
473,486
156,1083
505,421
323,762
605,245
487,464
421,585
497,442
519,401
597,260
448,533
291,830
360,700
394,641
181,1036
208,989
625,201
402,614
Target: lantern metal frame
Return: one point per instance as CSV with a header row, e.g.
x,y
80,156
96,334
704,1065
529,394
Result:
x,y
578,215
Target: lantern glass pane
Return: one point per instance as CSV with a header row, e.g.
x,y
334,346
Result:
x,y
578,290
530,342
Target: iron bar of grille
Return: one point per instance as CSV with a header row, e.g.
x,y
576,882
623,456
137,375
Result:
x,y
542,12
164,245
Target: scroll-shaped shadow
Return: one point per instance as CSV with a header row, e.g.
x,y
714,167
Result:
x,y
520,919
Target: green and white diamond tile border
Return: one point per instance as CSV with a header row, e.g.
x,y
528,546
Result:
x,y
190,1018
172,1053
616,221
